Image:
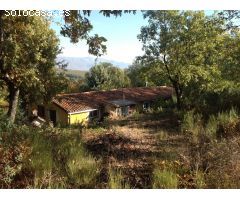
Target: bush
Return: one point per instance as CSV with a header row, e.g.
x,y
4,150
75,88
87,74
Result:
x,y
116,180
192,125
45,158
82,169
164,104
214,151
225,124
223,164
14,150
164,179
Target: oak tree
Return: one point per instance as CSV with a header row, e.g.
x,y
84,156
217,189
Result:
x,y
105,76
185,44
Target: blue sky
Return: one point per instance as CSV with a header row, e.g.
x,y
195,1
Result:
x,y
121,33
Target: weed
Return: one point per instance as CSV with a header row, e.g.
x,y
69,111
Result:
x,y
116,180
82,168
161,135
165,179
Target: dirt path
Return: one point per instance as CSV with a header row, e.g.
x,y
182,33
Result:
x,y
132,148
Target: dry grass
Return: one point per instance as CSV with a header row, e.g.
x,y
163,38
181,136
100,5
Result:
x,y
132,146
142,152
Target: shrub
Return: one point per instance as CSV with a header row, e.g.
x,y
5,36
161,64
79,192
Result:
x,y
41,160
13,152
212,126
192,125
116,180
164,179
214,153
225,124
224,160
44,158
82,168
161,135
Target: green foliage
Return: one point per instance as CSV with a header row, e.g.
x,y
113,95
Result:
x,y
49,158
192,51
105,76
116,181
164,104
192,124
142,74
216,126
164,179
41,156
200,180
13,152
224,124
30,48
213,148
227,117
73,74
82,168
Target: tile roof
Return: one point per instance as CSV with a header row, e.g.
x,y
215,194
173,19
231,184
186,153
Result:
x,y
77,102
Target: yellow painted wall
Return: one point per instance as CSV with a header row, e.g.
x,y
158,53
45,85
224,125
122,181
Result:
x,y
62,117
79,118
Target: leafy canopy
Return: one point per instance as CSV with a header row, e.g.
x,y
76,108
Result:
x,y
105,76
186,46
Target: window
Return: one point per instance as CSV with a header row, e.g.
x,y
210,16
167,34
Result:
x,y
124,110
146,105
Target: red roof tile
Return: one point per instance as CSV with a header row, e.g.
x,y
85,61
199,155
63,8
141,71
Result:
x,y
77,102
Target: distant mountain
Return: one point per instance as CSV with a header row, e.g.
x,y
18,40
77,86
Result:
x,y
85,63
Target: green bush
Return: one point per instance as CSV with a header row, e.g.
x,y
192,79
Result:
x,y
224,124
212,126
214,152
82,169
116,180
164,179
45,158
192,125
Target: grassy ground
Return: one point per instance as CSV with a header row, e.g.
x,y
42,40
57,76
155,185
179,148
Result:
x,y
144,151
153,151
135,146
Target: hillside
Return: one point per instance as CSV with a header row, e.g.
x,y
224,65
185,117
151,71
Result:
x,y
85,63
74,74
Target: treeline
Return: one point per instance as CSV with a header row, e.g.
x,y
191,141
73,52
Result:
x,y
195,53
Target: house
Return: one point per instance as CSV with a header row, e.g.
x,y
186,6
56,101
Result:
x,y
80,108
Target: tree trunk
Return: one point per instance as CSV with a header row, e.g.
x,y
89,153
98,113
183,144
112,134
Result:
x,y
178,95
179,103
13,102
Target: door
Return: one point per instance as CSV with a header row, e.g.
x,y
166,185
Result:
x,y
124,111
53,116
41,111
